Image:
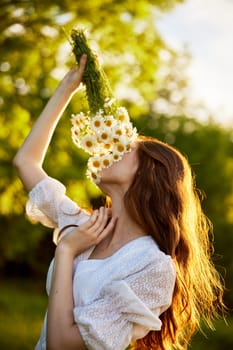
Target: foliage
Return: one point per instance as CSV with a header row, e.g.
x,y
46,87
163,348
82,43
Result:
x,y
21,314
146,76
35,53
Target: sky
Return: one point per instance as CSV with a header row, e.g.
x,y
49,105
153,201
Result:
x,y
206,27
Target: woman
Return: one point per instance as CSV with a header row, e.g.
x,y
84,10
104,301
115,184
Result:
x,y
145,275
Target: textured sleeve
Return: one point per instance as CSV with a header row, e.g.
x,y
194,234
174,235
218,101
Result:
x,y
127,310
49,205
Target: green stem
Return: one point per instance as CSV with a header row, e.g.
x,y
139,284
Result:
x,y
98,89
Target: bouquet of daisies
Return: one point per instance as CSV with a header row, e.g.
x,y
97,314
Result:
x,y
105,132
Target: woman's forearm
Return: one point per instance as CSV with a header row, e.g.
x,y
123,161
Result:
x,y
62,331
30,157
36,144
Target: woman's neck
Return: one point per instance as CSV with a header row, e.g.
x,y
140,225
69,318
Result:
x,y
126,228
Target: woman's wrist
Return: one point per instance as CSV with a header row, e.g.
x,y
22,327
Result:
x,y
65,90
71,82
64,250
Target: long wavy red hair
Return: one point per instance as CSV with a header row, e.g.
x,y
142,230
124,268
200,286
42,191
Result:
x,y
164,201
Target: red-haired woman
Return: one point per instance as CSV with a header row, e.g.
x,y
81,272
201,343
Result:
x,y
145,277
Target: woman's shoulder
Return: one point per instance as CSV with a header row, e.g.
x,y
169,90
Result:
x,y
140,266
145,248
141,255
147,267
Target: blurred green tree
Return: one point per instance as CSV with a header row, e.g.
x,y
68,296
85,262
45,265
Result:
x,y
146,75
35,54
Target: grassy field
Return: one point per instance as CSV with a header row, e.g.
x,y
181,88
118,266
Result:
x,y
23,304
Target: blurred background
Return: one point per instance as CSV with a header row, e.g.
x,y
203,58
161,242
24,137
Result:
x,y
156,80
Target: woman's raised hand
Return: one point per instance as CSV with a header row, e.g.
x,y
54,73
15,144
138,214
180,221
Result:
x,y
89,234
73,78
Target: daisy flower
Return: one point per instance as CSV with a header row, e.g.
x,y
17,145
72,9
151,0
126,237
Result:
x,y
104,135
94,163
97,122
107,147
79,120
107,161
118,130
75,132
120,146
122,115
131,132
109,121
128,147
88,143
93,176
116,156
123,144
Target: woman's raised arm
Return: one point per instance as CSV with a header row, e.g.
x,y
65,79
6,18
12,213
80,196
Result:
x,y
30,157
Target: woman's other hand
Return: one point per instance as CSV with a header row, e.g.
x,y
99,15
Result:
x,y
89,234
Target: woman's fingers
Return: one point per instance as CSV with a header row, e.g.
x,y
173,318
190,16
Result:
x,y
82,238
101,221
97,222
74,77
82,63
89,224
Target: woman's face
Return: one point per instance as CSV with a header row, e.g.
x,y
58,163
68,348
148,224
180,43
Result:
x,y
123,171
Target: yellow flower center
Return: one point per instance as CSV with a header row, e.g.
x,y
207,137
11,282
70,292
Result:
x,y
108,123
96,164
104,136
106,162
120,148
119,132
89,144
97,123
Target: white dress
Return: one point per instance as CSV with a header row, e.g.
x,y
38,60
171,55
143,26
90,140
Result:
x,y
117,299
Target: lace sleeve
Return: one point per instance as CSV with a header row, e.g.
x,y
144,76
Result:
x,y
127,310
49,205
